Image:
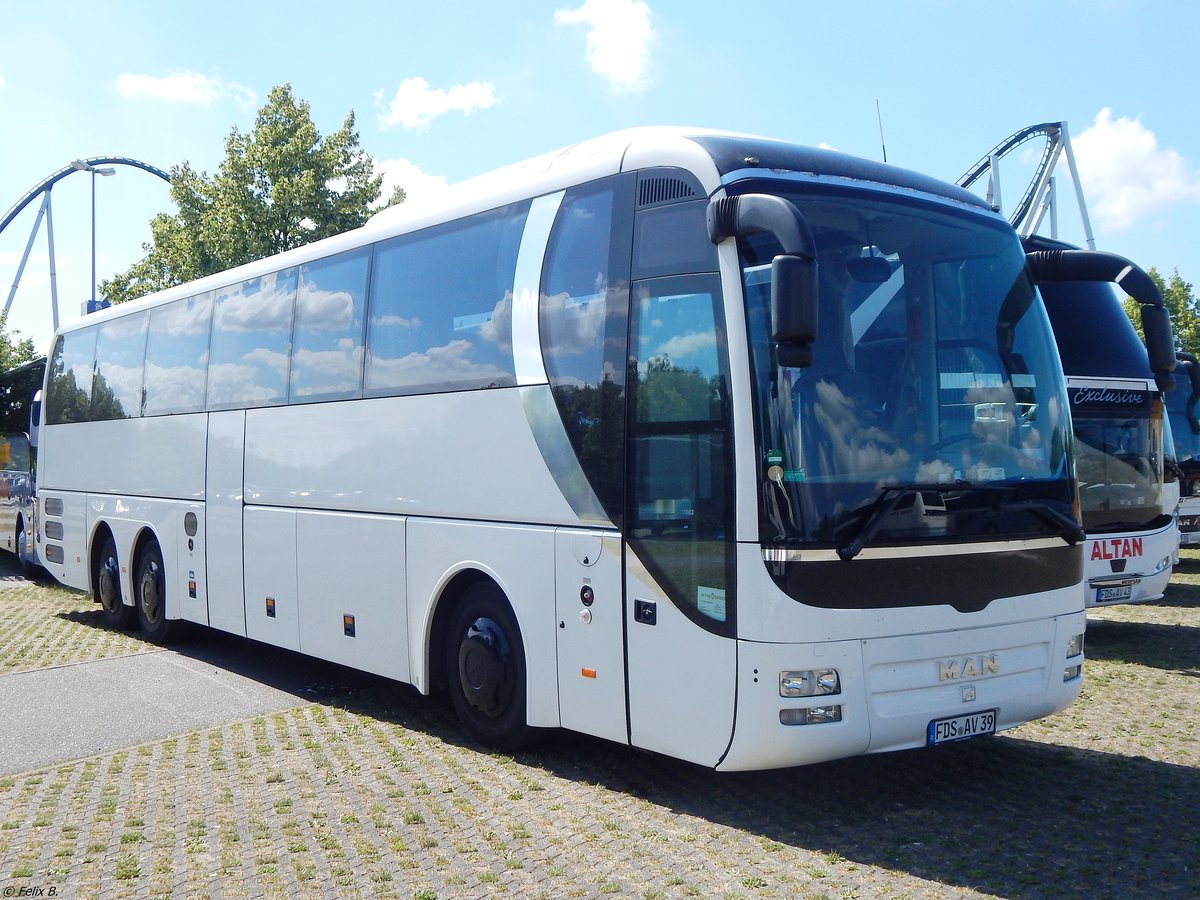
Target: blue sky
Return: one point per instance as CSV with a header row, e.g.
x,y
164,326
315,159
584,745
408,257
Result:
x,y
448,90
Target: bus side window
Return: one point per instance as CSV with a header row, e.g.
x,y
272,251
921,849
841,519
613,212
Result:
x,y
176,356
583,322
327,343
252,329
70,377
441,307
120,358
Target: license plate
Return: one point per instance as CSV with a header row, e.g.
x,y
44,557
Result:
x,y
959,728
1114,593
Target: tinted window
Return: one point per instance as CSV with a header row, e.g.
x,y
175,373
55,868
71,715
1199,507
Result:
x,y
14,454
670,240
681,465
252,328
177,356
70,378
327,350
584,319
441,306
120,353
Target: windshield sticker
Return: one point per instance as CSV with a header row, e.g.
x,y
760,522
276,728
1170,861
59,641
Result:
x,y
964,381
711,602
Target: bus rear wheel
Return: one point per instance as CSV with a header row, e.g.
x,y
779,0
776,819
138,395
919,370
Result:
x,y
106,588
150,586
22,543
485,669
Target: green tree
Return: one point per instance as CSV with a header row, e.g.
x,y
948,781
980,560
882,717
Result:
x,y
1181,303
280,186
16,387
14,350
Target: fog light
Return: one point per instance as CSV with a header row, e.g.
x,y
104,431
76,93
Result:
x,y
809,683
1075,645
814,715
1072,672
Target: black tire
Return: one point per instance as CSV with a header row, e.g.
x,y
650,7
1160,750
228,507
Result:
x,y
27,565
150,590
485,669
106,588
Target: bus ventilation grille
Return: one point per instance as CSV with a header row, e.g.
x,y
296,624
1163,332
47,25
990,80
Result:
x,y
652,191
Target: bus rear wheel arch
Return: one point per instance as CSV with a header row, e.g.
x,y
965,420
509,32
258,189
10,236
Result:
x,y
484,666
151,596
106,583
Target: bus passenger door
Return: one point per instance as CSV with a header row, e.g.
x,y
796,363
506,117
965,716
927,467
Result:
x,y
591,651
679,555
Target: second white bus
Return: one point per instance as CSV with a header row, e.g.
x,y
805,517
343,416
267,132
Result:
x,y
1127,496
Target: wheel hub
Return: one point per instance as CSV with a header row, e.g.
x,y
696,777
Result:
x,y
151,596
110,596
484,667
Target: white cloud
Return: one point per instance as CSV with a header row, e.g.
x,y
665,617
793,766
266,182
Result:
x,y
184,87
418,186
1126,176
618,40
416,104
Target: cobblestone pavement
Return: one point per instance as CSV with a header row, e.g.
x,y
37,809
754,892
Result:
x,y
366,789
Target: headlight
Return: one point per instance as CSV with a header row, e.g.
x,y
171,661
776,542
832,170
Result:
x,y
809,683
1075,645
812,716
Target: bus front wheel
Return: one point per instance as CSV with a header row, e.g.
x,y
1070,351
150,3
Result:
x,y
106,588
485,669
150,586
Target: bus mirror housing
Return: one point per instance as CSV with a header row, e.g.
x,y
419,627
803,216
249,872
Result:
x,y
35,419
1160,342
794,309
793,272
1097,265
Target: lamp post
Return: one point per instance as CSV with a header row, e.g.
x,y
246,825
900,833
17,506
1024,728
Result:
x,y
82,166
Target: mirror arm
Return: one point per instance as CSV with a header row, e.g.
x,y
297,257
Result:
x,y
1098,265
752,213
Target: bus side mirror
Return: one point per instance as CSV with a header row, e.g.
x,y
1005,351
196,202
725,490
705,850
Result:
x,y
1160,343
794,309
793,272
1098,265
35,419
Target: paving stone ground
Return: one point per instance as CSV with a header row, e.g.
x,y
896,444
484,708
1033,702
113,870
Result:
x,y
356,786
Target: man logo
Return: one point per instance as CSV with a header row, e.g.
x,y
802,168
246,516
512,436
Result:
x,y
968,667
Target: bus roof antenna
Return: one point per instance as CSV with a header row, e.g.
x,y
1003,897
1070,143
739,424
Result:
x,y
879,117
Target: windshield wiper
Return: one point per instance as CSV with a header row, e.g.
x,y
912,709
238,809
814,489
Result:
x,y
889,498
1068,529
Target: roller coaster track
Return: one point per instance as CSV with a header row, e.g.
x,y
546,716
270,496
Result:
x,y
42,189
1029,212
47,183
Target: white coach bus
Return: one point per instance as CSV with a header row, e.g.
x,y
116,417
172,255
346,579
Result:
x,y
1127,496
742,452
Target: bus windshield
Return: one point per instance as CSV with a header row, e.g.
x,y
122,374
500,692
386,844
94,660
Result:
x,y
1119,457
933,407
1183,410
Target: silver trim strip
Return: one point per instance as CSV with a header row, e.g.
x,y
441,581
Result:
x,y
790,554
526,333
